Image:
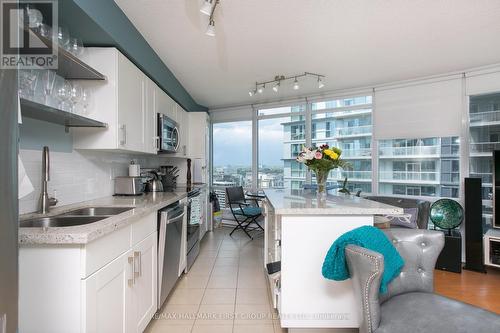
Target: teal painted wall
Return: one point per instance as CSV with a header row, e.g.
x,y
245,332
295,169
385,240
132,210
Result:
x,y
102,23
34,134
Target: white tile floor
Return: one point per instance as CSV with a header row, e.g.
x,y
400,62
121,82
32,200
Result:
x,y
225,291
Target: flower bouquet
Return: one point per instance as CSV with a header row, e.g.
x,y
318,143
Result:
x,y
321,160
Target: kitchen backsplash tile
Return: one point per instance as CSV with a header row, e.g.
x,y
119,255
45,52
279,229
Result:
x,y
83,175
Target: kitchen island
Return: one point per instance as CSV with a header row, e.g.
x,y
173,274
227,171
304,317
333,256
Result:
x,y
299,230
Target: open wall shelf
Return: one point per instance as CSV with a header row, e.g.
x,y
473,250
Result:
x,y
50,114
69,66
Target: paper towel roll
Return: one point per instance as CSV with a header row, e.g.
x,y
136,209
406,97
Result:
x,y
134,170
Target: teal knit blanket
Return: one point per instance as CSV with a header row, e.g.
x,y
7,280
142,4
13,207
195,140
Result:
x,y
335,265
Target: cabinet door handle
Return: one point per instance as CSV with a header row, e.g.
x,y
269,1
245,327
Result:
x,y
157,143
131,261
123,128
137,254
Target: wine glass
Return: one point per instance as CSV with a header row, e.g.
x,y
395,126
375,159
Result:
x,y
76,95
35,17
27,82
63,37
76,47
48,80
86,100
63,92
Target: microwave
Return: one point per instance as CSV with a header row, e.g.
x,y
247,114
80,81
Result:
x,y
168,134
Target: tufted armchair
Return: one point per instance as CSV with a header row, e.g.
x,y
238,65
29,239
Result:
x,y
410,305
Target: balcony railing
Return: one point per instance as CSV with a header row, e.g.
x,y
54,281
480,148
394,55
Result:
x,y
353,174
360,152
354,130
486,178
484,117
298,174
410,151
409,176
484,147
299,136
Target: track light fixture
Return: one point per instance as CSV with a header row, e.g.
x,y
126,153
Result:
x,y
260,86
208,8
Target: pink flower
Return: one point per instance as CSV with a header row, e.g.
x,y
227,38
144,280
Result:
x,y
318,155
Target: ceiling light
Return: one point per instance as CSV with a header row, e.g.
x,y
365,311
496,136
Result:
x,y
206,8
296,84
211,29
276,87
261,89
320,83
251,93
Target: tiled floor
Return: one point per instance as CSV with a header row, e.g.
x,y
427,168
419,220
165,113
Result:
x,y
225,290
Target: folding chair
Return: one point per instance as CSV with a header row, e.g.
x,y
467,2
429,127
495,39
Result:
x,y
243,212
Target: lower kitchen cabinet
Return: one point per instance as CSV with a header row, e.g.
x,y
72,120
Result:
x,y
108,285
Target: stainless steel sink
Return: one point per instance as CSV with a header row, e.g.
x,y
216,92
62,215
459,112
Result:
x,y
60,221
97,211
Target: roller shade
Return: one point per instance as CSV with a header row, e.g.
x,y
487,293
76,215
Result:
x,y
418,110
477,84
231,114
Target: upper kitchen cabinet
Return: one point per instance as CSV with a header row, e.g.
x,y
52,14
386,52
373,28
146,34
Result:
x,y
198,134
126,102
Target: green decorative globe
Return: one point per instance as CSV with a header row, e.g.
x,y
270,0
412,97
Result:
x,y
446,214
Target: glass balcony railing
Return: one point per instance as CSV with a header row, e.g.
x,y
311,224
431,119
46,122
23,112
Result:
x,y
409,151
484,117
352,174
484,147
409,176
298,136
360,152
298,173
486,178
354,130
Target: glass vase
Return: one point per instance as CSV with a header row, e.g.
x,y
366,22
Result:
x,y
321,177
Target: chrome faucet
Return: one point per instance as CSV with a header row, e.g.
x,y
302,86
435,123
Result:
x,y
45,201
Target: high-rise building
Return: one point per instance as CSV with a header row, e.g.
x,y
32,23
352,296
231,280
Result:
x,y
484,126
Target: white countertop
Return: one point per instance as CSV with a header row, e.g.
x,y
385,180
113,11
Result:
x,y
82,234
300,202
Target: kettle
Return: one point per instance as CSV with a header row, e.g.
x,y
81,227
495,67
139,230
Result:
x,y
154,184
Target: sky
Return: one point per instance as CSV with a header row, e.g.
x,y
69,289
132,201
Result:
x,y
233,143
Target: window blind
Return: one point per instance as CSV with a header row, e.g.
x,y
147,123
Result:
x,y
477,84
231,114
424,109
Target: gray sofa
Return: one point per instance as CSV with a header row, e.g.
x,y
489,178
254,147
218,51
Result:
x,y
410,306
422,206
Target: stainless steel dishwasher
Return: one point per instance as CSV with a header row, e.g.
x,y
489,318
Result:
x,y
169,248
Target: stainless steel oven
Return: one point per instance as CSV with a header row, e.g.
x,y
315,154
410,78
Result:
x,y
193,227
168,134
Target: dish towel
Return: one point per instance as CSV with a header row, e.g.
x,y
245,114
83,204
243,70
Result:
x,y
335,265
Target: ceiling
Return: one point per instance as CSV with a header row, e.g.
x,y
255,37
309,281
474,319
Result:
x,y
354,43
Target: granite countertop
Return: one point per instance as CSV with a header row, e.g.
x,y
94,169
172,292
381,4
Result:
x,y
300,202
82,234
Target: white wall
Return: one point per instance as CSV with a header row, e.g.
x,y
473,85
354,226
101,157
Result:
x,y
78,176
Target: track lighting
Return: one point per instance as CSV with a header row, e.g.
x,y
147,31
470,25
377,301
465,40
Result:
x,y
320,83
261,86
211,29
206,8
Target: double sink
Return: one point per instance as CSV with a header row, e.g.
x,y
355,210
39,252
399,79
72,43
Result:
x,y
75,217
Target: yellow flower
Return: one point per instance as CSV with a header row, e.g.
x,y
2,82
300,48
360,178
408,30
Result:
x,y
330,153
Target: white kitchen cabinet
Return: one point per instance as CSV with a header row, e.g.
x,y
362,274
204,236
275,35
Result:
x,y
122,101
144,290
107,285
151,143
108,297
165,104
198,134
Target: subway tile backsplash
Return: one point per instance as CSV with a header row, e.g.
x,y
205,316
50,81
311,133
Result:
x,y
83,175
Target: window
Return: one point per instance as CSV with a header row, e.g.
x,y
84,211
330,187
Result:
x,y
232,158
350,129
484,133
280,141
420,167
